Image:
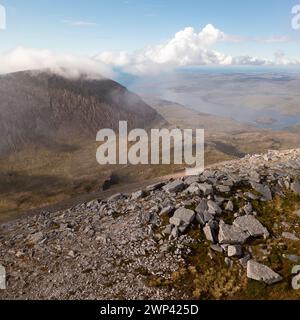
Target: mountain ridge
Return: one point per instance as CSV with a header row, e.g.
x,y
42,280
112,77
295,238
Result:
x,y
43,107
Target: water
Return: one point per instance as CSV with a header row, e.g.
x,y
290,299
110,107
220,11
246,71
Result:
x,y
182,87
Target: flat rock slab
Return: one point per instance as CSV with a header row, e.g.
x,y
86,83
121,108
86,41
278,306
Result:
x,y
193,189
155,186
191,179
252,225
206,188
262,273
202,206
213,207
182,216
231,234
264,190
175,186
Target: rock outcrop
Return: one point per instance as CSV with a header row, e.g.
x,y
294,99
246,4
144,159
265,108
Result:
x,y
244,213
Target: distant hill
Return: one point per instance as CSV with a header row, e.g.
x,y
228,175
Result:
x,y
43,108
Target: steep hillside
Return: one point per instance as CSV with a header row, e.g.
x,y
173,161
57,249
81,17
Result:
x,y
45,109
48,127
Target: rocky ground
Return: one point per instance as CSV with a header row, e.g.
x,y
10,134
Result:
x,y
231,233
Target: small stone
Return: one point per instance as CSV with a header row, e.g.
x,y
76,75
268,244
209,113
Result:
x,y
262,273
291,257
229,206
223,189
19,254
290,236
2,277
183,228
209,233
251,196
167,210
36,237
217,248
213,207
138,195
228,262
71,254
244,260
248,208
168,229
164,248
175,233
202,207
193,189
234,251
206,188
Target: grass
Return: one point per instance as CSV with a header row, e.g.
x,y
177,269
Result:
x,y
204,275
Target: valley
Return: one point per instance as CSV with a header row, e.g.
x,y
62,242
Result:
x,y
48,145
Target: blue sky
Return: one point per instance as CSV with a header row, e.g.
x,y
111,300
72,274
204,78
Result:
x,y
91,27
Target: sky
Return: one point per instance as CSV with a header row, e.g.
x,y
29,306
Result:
x,y
142,36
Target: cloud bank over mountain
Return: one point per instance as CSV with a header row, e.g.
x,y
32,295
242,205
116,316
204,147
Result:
x,y
71,66
188,48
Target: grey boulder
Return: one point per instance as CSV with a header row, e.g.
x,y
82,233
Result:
x,y
264,190
252,225
231,234
206,188
174,186
182,216
262,273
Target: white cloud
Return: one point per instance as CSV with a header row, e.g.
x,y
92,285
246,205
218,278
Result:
x,y
281,59
21,59
187,48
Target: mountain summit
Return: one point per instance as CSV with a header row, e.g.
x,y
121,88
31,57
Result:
x,y
40,107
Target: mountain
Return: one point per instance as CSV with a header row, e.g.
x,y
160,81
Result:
x,y
46,109
230,233
48,129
